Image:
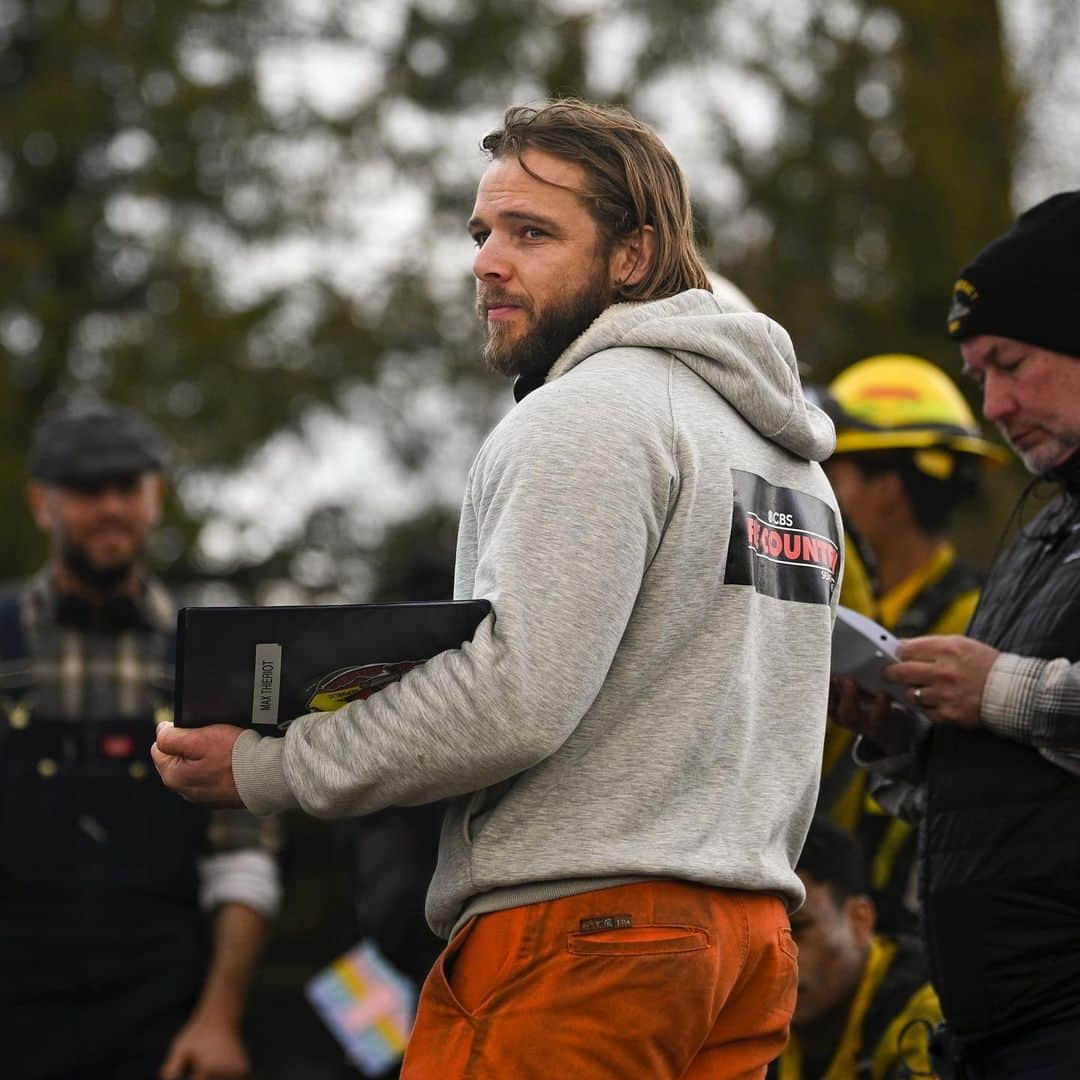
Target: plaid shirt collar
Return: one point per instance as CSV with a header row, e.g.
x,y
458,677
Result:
x,y
151,609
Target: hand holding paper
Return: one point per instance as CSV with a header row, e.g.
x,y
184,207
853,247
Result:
x,y
944,676
862,696
886,689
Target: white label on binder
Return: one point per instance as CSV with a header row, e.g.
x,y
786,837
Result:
x,y
264,703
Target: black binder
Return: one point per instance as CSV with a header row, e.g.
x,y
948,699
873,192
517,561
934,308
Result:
x,y
262,667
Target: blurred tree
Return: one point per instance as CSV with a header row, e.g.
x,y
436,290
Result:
x,y
893,166
233,213
247,216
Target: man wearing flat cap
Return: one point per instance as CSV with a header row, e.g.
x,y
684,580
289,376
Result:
x,y
999,765
130,921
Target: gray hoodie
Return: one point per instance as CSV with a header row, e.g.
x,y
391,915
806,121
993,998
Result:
x,y
662,553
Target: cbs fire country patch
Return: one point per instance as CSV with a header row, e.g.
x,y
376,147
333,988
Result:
x,y
783,542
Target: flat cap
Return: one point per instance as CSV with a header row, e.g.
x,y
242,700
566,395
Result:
x,y
85,443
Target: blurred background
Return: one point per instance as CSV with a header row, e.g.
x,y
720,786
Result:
x,y
246,218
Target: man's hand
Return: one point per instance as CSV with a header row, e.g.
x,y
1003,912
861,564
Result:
x,y
945,676
885,723
206,1048
197,762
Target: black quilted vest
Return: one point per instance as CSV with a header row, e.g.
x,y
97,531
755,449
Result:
x,y
1001,837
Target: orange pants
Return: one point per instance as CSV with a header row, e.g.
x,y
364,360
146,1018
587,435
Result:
x,y
656,980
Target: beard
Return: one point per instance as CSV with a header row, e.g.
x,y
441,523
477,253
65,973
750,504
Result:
x,y
547,335
1055,452
102,577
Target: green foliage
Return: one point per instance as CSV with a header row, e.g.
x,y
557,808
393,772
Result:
x,y
893,167
184,229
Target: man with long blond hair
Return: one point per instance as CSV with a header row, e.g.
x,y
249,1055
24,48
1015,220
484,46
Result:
x,y
632,742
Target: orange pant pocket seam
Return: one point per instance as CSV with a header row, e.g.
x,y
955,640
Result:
x,y
787,944
627,943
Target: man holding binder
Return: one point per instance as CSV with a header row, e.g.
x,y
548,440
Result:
x,y
632,742
112,965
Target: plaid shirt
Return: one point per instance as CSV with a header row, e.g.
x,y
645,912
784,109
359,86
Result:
x,y
1036,702
1026,699
86,662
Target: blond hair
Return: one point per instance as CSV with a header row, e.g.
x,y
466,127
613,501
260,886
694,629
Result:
x,y
632,179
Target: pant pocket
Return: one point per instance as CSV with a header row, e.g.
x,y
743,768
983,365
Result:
x,y
787,971
649,940
787,945
443,969
484,957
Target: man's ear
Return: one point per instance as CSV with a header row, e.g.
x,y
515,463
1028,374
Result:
x,y
37,497
863,915
633,257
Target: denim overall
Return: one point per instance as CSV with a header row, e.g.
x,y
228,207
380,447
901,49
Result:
x,y
103,947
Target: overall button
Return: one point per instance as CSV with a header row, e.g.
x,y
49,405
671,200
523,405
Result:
x,y
47,767
19,717
138,770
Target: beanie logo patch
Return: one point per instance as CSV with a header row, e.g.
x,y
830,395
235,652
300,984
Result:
x,y
964,296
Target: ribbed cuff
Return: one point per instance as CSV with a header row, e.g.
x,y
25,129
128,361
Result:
x,y
247,877
1009,694
259,771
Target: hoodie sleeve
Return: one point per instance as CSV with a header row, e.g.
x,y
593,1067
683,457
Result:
x,y
568,499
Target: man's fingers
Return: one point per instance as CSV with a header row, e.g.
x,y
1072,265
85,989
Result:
x,y
170,768
178,742
912,672
853,708
173,1066
932,648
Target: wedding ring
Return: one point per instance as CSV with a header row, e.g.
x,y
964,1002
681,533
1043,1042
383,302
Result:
x,y
917,693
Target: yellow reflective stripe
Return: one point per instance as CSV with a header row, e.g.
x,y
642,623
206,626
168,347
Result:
x,y
958,614
838,740
847,810
908,1045
856,590
900,597
790,1062
842,1066
885,856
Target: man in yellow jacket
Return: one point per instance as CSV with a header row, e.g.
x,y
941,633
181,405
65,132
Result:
x,y
908,452
865,1010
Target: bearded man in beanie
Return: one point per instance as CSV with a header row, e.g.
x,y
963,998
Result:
x,y
130,921
1000,759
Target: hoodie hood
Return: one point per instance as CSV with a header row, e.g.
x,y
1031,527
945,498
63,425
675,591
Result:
x,y
746,357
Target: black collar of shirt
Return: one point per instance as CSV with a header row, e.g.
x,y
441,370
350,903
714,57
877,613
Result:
x,y
1067,473
524,385
113,616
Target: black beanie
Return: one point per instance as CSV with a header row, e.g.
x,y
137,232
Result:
x,y
1026,284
